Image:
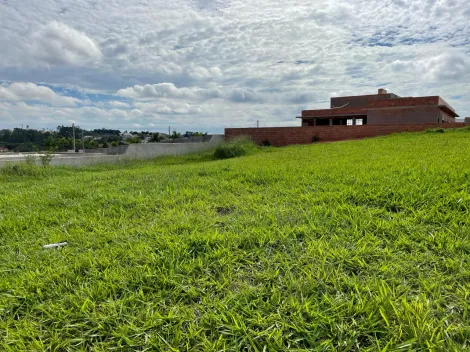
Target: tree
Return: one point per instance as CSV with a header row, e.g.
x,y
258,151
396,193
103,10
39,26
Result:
x,y
134,140
67,131
194,134
156,137
175,135
106,132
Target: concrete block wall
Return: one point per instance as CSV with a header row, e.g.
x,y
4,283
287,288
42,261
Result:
x,y
151,150
83,160
281,136
121,149
96,150
133,151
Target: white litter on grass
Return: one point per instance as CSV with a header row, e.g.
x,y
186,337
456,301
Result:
x,y
55,245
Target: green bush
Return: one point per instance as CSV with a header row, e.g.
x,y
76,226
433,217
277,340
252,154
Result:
x,y
236,147
30,160
435,130
315,139
46,158
134,140
266,143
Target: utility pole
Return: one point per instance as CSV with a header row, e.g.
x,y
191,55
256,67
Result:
x,y
257,123
169,131
73,131
83,143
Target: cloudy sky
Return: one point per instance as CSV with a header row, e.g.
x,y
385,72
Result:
x,y
209,64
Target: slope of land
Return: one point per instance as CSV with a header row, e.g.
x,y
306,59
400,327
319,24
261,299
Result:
x,y
360,245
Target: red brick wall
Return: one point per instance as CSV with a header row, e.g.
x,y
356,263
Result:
x,y
405,115
390,103
280,136
359,100
446,117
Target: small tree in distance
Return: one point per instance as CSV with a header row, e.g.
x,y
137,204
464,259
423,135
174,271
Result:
x,y
175,135
156,137
135,139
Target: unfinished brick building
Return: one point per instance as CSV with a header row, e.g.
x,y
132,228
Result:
x,y
359,116
381,109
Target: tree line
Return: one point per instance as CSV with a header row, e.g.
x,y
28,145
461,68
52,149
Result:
x,y
30,140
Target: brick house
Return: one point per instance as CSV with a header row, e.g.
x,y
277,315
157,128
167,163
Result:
x,y
381,109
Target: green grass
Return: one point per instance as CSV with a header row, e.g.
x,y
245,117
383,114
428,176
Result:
x,y
360,245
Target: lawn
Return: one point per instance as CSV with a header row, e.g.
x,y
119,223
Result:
x,y
359,245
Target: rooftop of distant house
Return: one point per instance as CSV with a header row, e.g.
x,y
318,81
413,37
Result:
x,y
381,108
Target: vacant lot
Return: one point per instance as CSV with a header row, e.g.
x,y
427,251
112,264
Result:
x,y
360,245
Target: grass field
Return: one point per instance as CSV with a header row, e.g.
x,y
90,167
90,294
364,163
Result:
x,y
360,245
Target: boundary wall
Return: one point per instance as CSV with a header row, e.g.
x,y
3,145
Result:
x,y
151,150
132,152
281,136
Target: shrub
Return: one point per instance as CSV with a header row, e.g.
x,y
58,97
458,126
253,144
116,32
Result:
x,y
30,160
46,158
315,139
266,143
236,147
134,140
435,130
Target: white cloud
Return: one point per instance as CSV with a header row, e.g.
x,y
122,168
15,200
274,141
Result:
x,y
217,63
30,91
58,44
169,90
157,91
165,91
447,67
169,107
200,73
118,104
